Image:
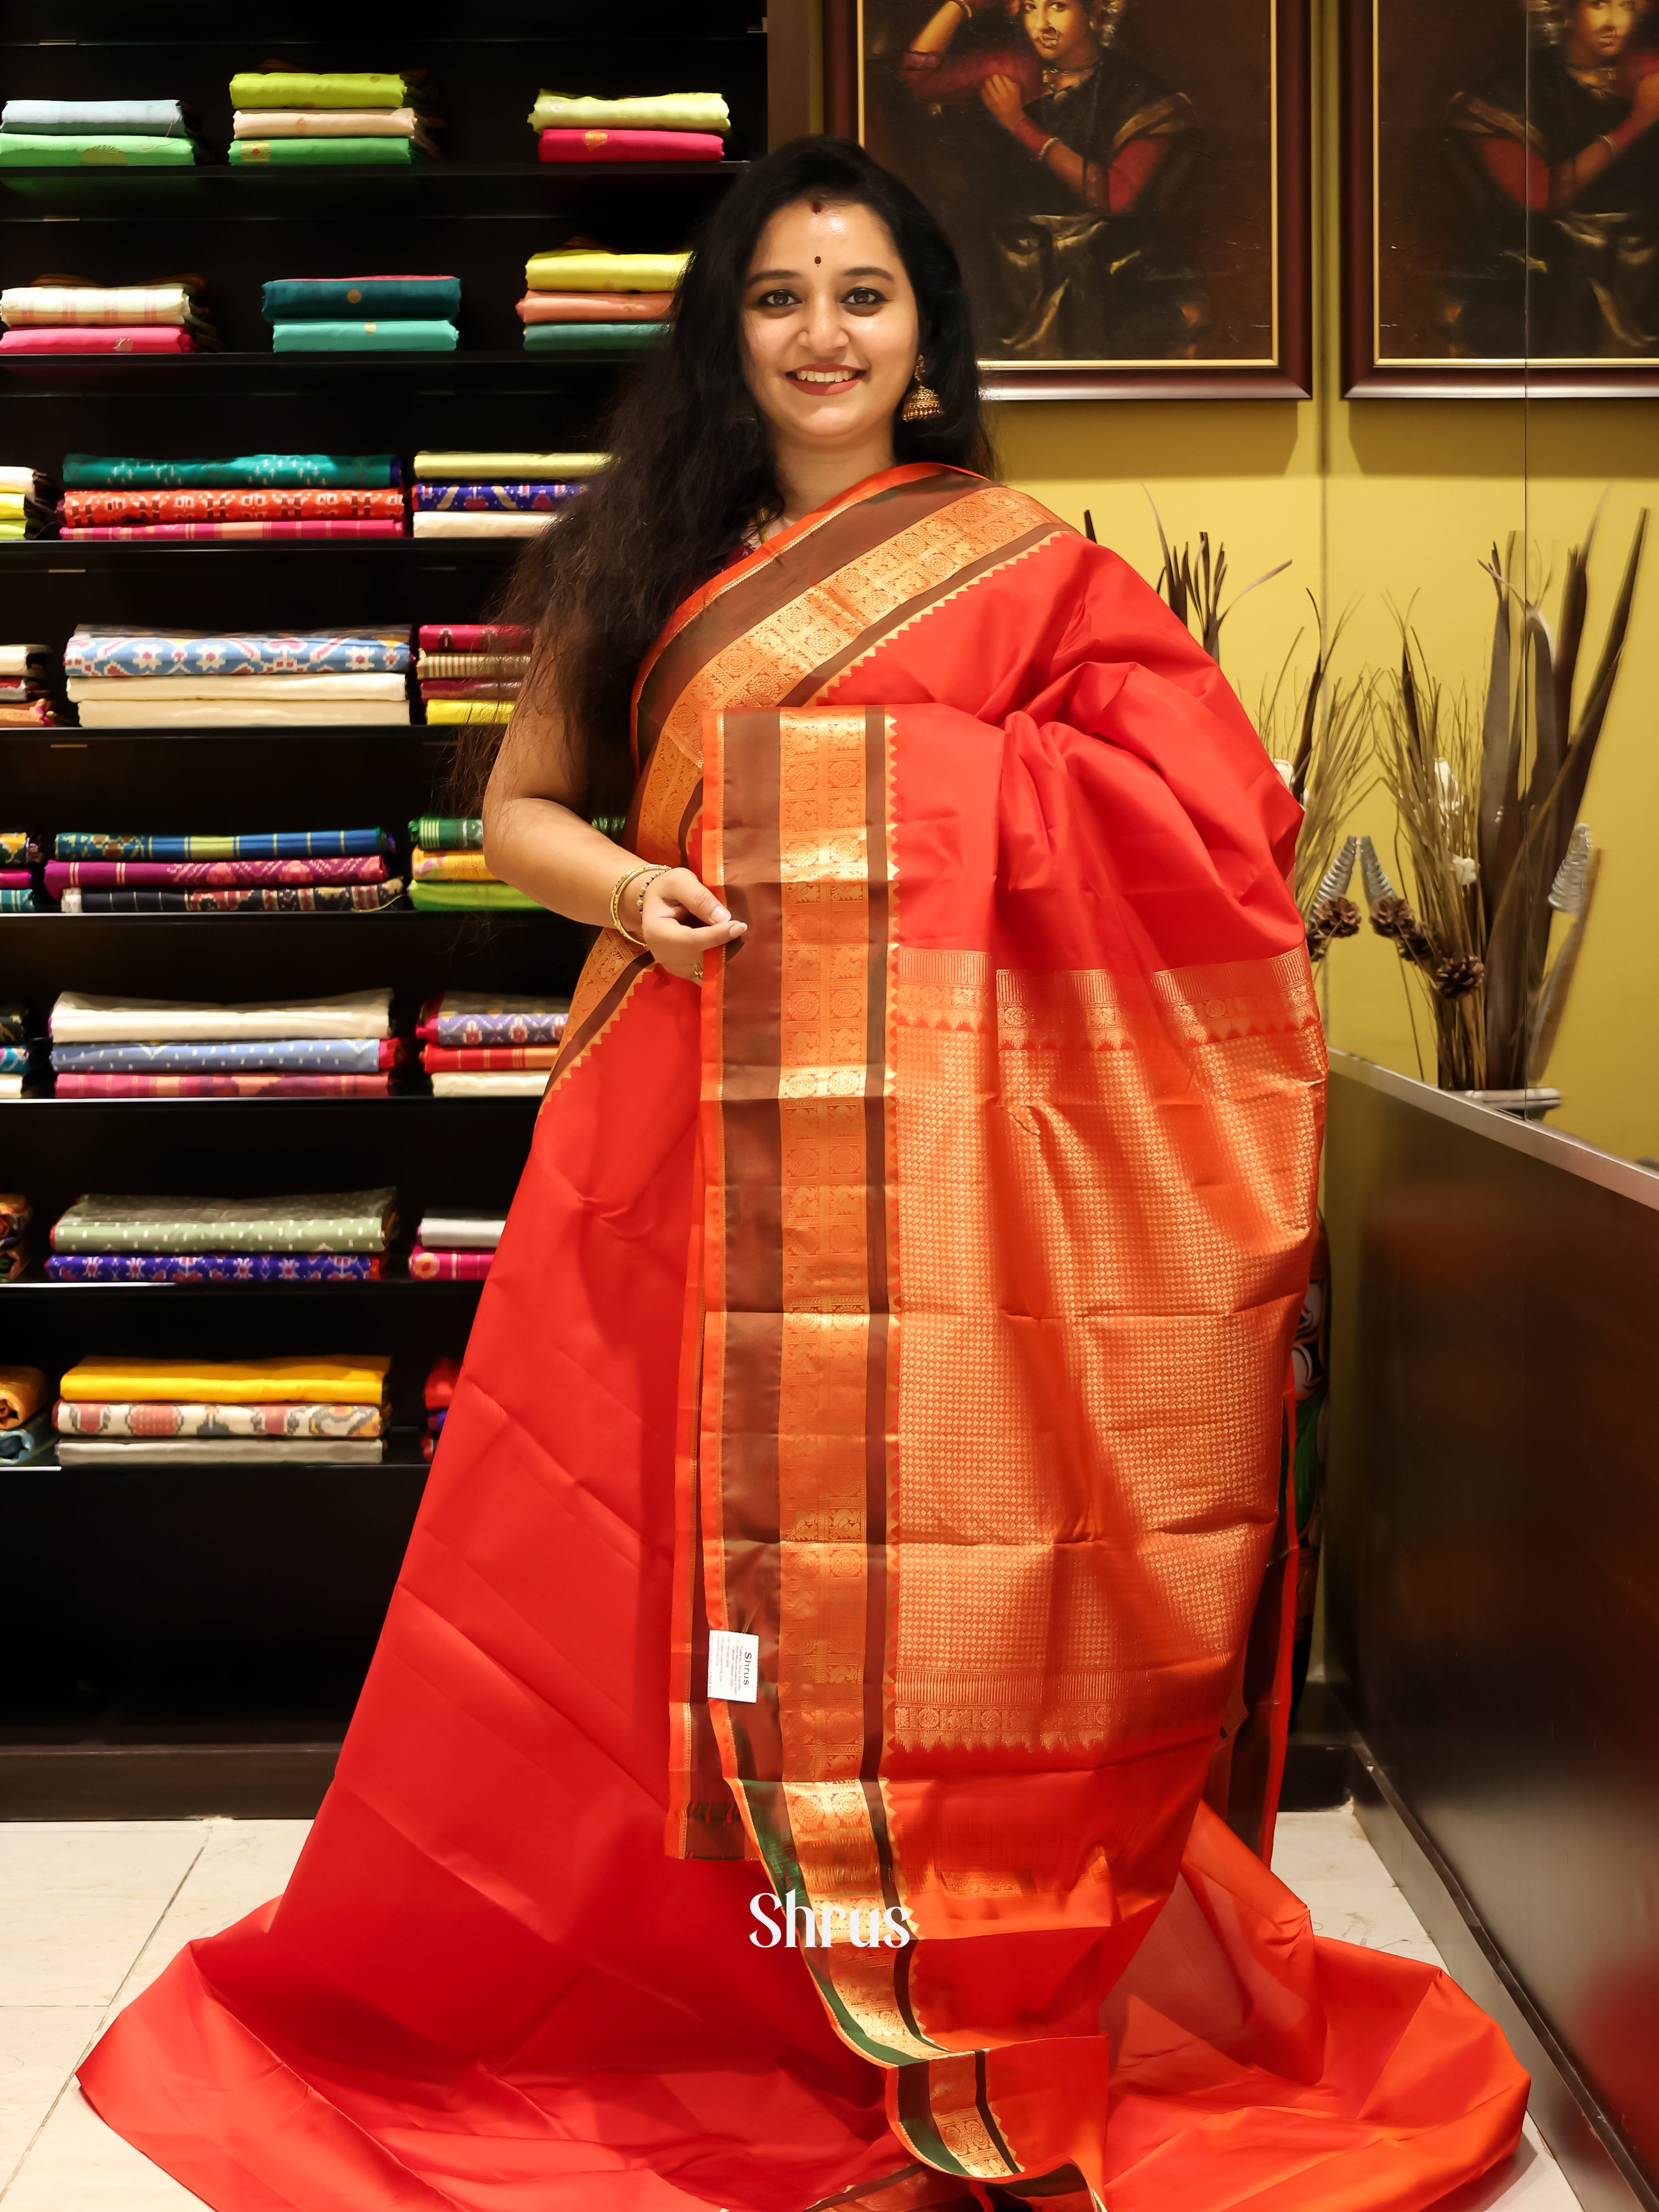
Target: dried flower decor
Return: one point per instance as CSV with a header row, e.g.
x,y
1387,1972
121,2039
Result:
x,y
1487,824
1317,730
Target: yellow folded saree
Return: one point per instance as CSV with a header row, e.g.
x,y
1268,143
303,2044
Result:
x,y
432,467
304,1382
578,268
659,111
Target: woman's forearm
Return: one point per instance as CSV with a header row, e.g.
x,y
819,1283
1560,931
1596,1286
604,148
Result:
x,y
940,28
554,856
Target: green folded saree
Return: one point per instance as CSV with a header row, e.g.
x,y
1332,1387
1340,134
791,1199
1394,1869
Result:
x,y
27,150
326,153
458,832
386,334
322,88
594,338
453,896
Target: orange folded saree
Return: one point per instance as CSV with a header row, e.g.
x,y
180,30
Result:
x,y
899,1321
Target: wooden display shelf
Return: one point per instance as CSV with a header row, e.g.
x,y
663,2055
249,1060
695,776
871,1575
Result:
x,y
527,190
213,377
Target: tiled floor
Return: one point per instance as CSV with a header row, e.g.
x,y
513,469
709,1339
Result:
x,y
91,1913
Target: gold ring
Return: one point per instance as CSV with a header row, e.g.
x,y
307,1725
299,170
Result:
x,y
696,974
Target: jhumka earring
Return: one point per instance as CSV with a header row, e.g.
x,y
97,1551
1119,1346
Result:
x,y
921,404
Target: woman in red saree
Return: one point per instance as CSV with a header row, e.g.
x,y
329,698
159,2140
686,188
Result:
x,y
893,1319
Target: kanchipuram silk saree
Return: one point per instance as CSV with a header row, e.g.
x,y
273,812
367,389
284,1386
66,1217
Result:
x,y
897,1326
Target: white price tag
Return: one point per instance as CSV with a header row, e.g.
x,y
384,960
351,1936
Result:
x,y
734,1666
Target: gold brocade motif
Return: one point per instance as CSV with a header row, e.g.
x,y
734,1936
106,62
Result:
x,y
1123,1451
606,966
953,2101
770,662
822,1421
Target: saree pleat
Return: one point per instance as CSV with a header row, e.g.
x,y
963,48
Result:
x,y
914,1299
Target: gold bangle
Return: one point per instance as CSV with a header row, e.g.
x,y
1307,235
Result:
x,y
1043,151
650,874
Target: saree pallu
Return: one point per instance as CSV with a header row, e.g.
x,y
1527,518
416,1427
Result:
x,y
975,1190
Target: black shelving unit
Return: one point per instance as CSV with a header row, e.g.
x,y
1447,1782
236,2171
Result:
x,y
192,1639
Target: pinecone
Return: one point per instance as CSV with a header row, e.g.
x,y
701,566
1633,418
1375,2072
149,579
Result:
x,y
1394,917
1344,917
1455,979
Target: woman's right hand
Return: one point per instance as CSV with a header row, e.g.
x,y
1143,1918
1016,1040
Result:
x,y
680,920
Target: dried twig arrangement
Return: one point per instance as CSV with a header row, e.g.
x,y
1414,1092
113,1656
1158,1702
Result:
x,y
1488,824
1318,729
1193,584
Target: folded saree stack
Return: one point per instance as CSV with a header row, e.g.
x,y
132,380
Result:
x,y
470,672
328,1236
112,1412
24,699
96,134
467,495
582,300
475,1044
328,120
249,495
454,1248
440,1390
19,893
63,314
338,1048
665,126
363,314
447,869
16,1216
252,871
174,679
27,501
18,1054
24,1420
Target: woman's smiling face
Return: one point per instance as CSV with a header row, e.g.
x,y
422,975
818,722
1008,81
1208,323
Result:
x,y
830,325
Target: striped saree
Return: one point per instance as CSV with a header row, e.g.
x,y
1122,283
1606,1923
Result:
x,y
913,1299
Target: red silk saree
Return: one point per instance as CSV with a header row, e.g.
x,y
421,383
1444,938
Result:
x,y
914,1299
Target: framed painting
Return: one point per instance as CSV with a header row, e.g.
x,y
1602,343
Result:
x,y
1501,197
1127,182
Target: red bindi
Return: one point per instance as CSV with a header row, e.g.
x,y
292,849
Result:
x,y
816,258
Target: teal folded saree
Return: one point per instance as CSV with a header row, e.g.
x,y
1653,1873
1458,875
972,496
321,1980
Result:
x,y
389,334
594,338
240,472
330,299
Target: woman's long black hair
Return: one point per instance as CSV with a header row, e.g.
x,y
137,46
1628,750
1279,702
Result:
x,y
691,469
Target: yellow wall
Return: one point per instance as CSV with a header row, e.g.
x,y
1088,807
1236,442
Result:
x,y
1392,505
